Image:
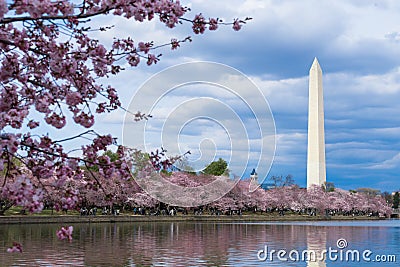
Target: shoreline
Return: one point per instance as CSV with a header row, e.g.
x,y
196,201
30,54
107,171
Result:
x,y
26,219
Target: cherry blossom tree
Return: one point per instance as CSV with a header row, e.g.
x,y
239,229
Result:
x,y
316,198
339,200
51,65
297,198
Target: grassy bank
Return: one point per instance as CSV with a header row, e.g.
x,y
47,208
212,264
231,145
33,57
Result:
x,y
14,216
21,219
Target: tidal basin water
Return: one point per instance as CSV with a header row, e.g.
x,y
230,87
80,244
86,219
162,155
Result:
x,y
206,244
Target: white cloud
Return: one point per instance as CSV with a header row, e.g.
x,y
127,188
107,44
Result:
x,y
391,163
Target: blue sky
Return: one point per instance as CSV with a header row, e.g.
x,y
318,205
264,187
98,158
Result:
x,y
357,43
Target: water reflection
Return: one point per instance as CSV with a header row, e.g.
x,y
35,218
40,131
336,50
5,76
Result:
x,y
316,242
183,244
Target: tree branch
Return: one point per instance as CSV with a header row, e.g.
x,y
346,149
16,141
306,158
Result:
x,y
8,20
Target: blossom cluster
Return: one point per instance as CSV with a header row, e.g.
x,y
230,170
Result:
x,y
17,247
23,193
65,233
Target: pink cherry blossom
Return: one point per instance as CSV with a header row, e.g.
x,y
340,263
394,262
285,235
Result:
x,y
236,25
3,8
65,233
133,60
73,98
145,47
152,59
84,119
174,44
213,24
23,193
33,124
199,24
56,120
17,247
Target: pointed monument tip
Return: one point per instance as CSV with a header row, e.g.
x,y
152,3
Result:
x,y
315,64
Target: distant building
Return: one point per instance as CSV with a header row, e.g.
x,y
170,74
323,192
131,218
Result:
x,y
253,175
264,185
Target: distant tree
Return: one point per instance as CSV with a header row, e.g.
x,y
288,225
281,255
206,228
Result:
x,y
396,200
107,157
217,168
289,181
276,180
182,164
368,191
279,181
112,155
388,197
329,186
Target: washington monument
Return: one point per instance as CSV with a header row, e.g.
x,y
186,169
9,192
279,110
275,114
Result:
x,y
316,169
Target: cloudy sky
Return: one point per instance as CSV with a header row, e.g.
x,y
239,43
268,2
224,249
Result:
x,y
357,43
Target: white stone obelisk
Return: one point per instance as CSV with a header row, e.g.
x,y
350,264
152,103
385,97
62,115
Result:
x,y
316,169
